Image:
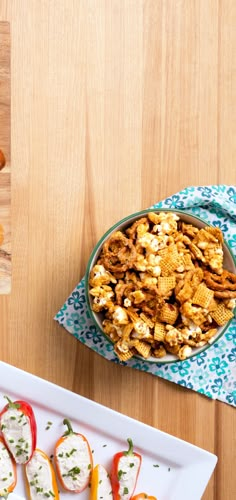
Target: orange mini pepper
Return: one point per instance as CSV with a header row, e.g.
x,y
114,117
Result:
x,y
141,496
8,479
100,484
73,460
36,471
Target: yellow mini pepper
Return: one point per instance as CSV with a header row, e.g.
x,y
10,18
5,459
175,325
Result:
x,y
100,484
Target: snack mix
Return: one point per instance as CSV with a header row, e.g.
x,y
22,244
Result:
x,y
161,287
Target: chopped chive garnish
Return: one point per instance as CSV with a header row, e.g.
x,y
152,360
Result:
x,y
156,465
100,482
104,445
89,466
73,451
120,473
131,465
126,491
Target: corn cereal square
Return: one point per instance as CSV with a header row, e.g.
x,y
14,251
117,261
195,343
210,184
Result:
x,y
143,348
159,332
221,315
124,356
169,313
166,284
203,296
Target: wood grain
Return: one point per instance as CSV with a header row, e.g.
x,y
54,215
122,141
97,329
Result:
x,y
5,177
115,105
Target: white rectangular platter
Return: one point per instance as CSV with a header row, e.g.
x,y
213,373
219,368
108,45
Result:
x,y
172,469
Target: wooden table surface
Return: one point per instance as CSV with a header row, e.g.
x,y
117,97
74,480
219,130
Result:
x,y
5,144
115,105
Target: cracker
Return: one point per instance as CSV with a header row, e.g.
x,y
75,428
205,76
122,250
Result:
x,y
159,332
203,296
124,356
222,314
143,348
169,313
147,320
166,284
171,250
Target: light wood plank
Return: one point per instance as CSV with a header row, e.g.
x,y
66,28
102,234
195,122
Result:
x,y
5,177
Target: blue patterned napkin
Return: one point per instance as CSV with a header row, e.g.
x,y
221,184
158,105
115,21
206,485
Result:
x,y
212,372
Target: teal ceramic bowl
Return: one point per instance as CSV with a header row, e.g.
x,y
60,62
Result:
x,y
229,264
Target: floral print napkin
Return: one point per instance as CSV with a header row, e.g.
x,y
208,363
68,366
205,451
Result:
x,y
212,372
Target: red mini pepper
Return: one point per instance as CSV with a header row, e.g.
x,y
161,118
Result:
x,y
18,418
124,474
73,460
8,478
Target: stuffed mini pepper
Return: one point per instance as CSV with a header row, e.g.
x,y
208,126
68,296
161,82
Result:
x,y
18,426
73,459
40,477
125,470
100,484
7,471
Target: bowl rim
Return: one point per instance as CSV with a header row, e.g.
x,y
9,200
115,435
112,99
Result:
x,y
103,238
